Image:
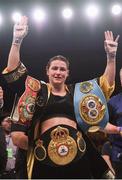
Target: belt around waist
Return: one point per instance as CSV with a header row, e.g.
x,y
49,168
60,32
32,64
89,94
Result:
x,y
59,146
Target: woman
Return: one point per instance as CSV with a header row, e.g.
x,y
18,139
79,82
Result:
x,y
48,125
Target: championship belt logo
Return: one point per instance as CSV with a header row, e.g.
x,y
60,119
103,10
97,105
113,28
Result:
x,y
27,109
62,148
91,109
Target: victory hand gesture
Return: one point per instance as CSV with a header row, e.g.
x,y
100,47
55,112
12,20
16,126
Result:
x,y
110,44
20,30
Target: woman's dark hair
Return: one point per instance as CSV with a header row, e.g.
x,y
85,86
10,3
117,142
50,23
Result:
x,y
59,57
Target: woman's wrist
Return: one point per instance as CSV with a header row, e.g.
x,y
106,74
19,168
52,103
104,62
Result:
x,y
111,56
17,40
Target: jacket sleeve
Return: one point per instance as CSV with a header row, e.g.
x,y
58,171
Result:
x,y
106,88
16,78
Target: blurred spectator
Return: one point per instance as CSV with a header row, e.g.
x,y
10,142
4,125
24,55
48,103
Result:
x,y
21,164
115,113
9,169
3,152
106,154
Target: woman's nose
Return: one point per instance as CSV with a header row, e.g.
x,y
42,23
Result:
x,y
58,71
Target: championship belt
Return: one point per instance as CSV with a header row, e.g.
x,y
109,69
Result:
x,y
90,106
62,148
26,104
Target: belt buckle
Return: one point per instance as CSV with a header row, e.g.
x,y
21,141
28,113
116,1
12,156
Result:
x,y
62,148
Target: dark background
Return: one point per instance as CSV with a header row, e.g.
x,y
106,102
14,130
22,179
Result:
x,y
80,39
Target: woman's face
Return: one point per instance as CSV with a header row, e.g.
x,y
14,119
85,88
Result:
x,y
57,72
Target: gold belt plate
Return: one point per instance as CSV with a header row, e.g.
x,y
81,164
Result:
x,y
62,148
92,109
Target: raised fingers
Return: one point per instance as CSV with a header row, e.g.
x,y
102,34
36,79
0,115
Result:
x,y
117,38
108,35
24,20
111,35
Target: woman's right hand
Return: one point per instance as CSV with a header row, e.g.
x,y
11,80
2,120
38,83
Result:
x,y
20,30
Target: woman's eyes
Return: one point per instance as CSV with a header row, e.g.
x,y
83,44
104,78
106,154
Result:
x,y
61,69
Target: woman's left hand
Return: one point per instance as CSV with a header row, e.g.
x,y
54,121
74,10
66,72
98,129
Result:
x,y
110,44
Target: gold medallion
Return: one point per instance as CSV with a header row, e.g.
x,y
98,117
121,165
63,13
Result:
x,y
86,87
40,151
93,129
62,148
92,109
26,108
33,84
81,142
